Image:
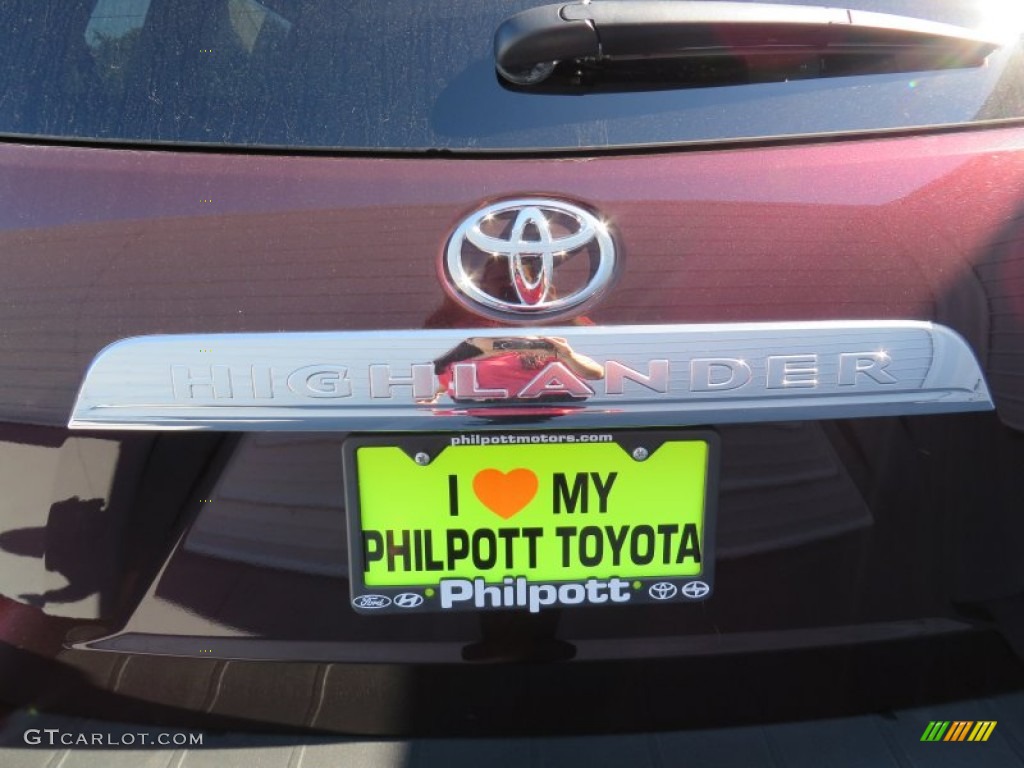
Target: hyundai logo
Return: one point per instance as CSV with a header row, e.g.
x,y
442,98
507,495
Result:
x,y
408,600
529,259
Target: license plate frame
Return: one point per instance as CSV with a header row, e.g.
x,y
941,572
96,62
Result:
x,y
517,590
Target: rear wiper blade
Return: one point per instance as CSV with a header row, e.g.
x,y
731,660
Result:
x,y
530,45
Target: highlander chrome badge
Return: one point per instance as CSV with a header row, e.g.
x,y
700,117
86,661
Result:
x,y
529,259
582,376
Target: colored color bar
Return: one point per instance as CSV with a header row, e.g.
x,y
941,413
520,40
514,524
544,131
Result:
x,y
959,730
935,731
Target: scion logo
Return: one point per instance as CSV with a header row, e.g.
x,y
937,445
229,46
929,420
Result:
x,y
524,260
408,600
695,590
371,602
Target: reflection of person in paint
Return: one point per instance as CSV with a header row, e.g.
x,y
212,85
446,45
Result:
x,y
510,363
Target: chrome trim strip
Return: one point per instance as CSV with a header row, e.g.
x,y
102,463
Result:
x,y
233,647
613,376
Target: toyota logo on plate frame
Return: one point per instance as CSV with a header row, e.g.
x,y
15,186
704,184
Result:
x,y
663,590
529,259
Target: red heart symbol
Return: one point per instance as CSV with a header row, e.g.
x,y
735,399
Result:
x,y
505,493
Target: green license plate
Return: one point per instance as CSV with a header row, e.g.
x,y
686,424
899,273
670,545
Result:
x,y
527,520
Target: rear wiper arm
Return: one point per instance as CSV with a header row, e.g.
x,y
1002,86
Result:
x,y
529,45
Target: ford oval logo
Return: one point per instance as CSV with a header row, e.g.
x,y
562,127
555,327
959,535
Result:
x,y
529,259
371,602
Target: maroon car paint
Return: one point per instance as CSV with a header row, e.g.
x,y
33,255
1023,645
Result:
x,y
101,244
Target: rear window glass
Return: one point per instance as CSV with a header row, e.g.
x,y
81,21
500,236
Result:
x,y
415,75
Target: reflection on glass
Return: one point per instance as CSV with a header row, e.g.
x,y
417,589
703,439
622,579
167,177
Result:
x,y
248,18
114,19
112,35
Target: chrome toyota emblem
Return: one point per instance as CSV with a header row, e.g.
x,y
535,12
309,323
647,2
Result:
x,y
529,259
